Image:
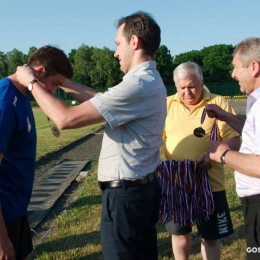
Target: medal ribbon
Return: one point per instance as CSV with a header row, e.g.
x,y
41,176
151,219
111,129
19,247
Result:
x,y
186,192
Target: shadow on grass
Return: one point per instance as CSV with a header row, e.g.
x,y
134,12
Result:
x,y
89,201
70,243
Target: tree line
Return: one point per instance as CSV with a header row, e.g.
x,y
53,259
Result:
x,y
98,68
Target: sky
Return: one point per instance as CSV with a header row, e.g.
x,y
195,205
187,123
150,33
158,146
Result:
x,y
185,25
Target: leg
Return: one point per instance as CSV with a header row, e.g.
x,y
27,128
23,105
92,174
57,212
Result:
x,y
181,241
181,246
128,222
20,235
219,225
251,210
210,249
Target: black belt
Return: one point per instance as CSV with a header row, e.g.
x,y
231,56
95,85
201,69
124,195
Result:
x,y
126,183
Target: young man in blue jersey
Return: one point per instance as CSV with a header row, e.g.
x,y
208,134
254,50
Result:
x,y
18,148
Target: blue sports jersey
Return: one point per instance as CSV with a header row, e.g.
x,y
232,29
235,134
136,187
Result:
x,y
18,146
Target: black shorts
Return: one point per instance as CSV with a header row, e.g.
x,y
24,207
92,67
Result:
x,y
20,235
219,225
251,209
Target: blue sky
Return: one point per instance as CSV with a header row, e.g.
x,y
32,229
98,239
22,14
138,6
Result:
x,y
185,25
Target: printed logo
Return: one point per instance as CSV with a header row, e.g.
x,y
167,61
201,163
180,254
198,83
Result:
x,y
222,223
29,124
253,250
15,100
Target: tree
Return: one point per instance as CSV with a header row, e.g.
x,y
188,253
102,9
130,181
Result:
x,y
107,72
164,63
14,58
194,56
27,56
3,65
217,64
71,56
83,65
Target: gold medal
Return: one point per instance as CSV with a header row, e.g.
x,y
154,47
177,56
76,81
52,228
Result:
x,y
54,129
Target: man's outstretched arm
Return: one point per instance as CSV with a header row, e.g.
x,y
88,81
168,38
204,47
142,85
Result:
x,y
237,123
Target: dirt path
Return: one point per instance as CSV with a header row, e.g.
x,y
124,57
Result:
x,y
86,148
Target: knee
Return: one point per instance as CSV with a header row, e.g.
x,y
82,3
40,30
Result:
x,y
181,240
210,243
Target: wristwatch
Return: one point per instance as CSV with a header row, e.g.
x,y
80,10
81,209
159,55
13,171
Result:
x,y
30,86
222,158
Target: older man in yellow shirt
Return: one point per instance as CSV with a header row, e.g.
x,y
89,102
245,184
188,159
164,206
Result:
x,y
187,136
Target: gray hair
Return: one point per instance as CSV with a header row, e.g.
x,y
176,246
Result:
x,y
185,68
248,50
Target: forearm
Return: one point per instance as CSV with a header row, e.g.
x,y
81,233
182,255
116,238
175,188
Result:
x,y
51,106
248,164
233,143
3,231
63,116
237,123
77,91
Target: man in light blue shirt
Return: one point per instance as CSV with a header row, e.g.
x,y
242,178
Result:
x,y
134,112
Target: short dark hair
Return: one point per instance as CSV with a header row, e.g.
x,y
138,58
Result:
x,y
53,59
145,28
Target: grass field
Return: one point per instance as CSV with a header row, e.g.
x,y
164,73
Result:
x,y
77,233
47,142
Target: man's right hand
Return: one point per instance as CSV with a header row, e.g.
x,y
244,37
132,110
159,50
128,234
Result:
x,y
214,111
24,75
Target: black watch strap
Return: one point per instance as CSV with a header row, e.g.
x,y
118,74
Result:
x,y
222,157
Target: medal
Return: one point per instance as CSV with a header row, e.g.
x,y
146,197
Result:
x,y
54,129
199,131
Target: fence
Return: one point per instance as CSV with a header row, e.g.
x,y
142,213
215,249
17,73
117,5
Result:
x,y
227,89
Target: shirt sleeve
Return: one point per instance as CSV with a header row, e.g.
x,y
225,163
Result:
x,y
121,103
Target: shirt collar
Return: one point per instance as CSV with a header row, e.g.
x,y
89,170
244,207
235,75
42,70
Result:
x,y
252,98
144,65
206,95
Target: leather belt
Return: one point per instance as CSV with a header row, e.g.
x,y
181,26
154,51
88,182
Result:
x,y
126,183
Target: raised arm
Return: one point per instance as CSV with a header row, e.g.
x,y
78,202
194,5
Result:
x,y
79,92
214,111
63,116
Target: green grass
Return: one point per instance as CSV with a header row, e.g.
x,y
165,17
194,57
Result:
x,y
76,235
47,142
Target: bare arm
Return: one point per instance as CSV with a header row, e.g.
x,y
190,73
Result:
x,y
6,246
214,111
248,164
79,92
233,143
63,116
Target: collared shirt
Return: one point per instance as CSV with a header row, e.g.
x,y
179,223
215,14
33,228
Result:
x,y
182,144
247,185
135,112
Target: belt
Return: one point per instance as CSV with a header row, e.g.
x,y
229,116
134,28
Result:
x,y
126,183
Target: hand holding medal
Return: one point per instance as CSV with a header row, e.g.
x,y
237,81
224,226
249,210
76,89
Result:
x,y
54,129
